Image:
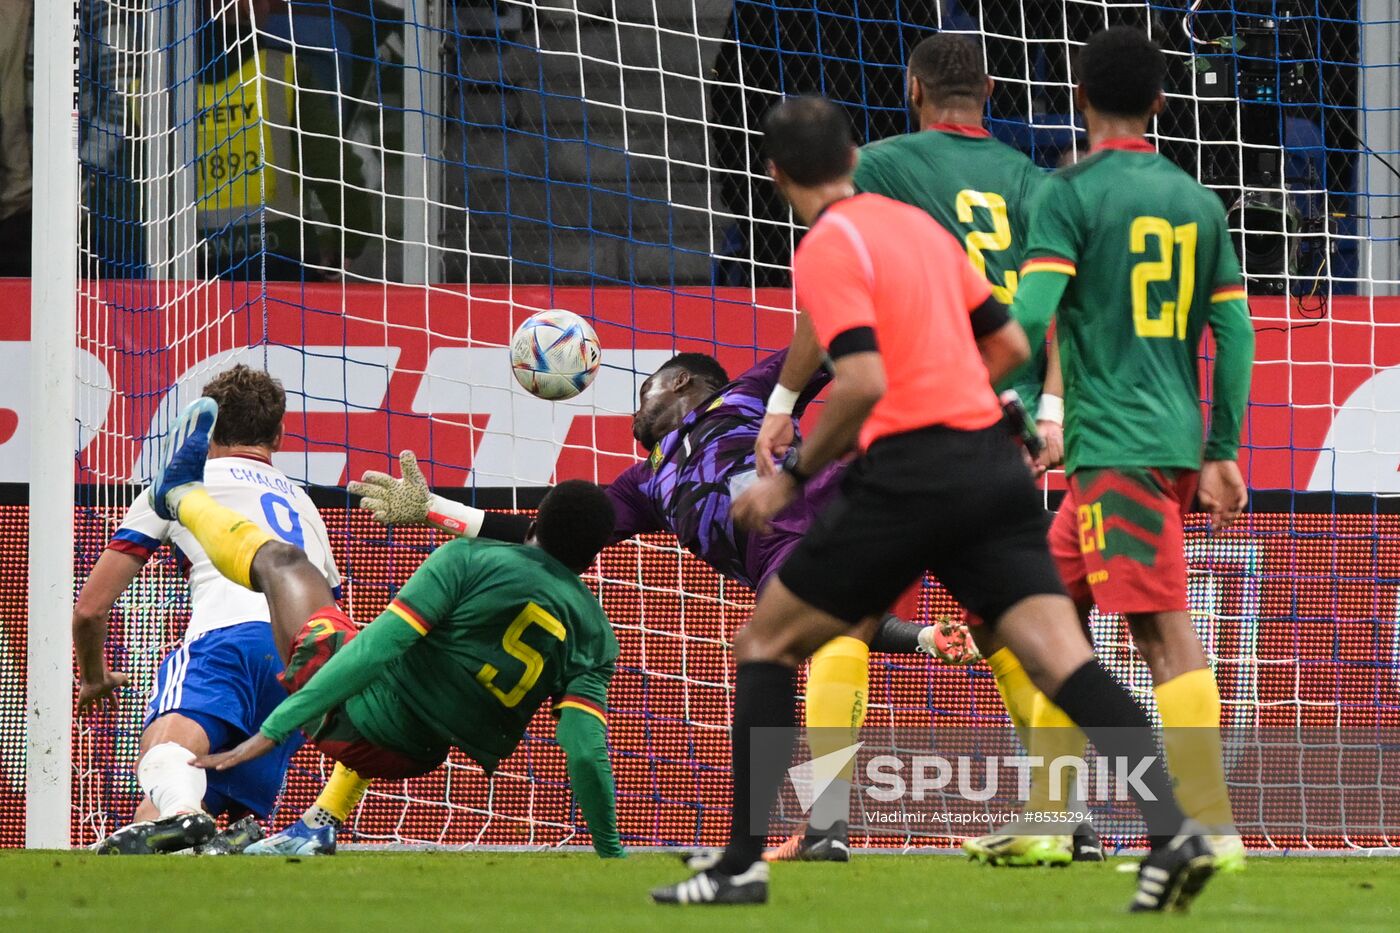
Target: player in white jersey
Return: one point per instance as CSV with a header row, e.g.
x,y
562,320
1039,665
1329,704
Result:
x,y
216,687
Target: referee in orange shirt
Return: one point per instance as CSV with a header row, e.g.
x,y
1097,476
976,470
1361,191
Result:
x,y
915,340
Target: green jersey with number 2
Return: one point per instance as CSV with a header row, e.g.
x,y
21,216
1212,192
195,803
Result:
x,y
979,190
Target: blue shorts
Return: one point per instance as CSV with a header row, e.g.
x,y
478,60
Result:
x,y
226,680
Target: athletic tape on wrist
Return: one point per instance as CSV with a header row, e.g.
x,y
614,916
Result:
x,y
1051,408
454,517
782,401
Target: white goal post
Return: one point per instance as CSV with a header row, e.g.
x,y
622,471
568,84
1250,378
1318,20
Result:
x,y
52,401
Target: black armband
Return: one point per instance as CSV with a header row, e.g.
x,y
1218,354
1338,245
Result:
x,y
855,340
501,526
988,317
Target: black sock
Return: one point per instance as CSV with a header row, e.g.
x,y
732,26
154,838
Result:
x,y
895,636
765,695
1117,726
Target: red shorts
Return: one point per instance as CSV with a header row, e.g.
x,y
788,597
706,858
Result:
x,y
326,632
1119,541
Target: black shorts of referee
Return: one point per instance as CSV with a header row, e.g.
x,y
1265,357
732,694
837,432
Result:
x,y
959,504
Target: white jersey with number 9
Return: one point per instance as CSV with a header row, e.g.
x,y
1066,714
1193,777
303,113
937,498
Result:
x,y
262,493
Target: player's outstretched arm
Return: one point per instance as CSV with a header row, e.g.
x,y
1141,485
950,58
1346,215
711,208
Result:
x,y
408,501
584,738
403,501
110,576
352,669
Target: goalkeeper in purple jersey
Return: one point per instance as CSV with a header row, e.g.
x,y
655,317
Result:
x,y
700,429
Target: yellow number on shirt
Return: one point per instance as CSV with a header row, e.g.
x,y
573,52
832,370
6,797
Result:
x,y
995,240
1170,317
515,646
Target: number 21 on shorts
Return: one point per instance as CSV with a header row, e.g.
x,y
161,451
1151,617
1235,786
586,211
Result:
x,y
1091,528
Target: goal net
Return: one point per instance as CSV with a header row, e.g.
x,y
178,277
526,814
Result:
x,y
365,197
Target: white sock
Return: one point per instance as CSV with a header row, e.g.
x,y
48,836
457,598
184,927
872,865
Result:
x,y
1074,802
317,816
167,777
833,805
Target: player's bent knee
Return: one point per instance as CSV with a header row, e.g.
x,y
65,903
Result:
x,y
750,647
866,629
278,557
177,728
1044,633
789,641
985,638
1168,643
760,644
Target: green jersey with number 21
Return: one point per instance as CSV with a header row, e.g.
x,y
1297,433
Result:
x,y
1151,264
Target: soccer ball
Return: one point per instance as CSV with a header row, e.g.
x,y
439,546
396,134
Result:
x,y
555,355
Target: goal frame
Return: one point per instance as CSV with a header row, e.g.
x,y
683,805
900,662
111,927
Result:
x,y
52,388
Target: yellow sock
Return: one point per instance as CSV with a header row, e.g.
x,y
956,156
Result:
x,y
838,684
341,793
230,539
1053,735
1017,691
1190,710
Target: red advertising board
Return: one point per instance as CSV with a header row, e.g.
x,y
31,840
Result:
x,y
373,369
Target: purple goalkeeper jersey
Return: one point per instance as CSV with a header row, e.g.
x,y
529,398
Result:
x,y
687,484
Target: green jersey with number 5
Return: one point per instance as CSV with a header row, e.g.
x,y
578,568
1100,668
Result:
x,y
480,637
979,190
1151,264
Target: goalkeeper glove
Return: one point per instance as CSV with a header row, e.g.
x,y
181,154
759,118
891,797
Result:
x,y
409,501
392,501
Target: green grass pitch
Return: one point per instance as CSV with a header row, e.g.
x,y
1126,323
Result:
x,y
407,892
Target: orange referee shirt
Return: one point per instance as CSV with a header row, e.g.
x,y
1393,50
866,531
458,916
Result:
x,y
870,261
